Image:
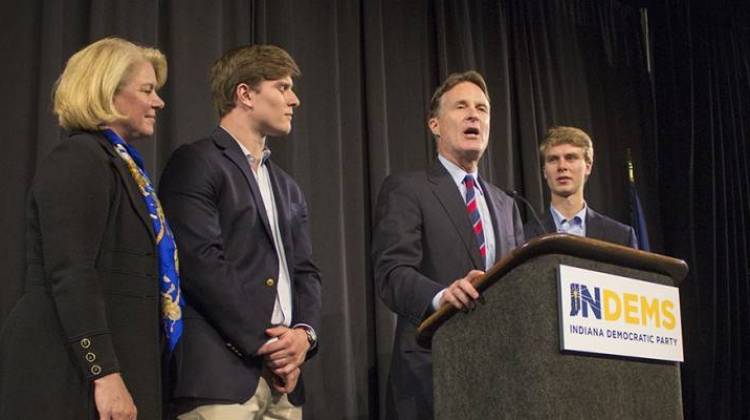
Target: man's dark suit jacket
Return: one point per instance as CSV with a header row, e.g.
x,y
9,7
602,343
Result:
x,y
229,267
598,226
423,241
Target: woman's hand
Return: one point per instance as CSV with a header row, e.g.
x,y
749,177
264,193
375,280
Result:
x,y
113,401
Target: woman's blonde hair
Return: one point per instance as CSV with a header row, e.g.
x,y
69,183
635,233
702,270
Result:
x,y
83,96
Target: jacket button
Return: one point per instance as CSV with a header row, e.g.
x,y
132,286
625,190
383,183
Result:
x,y
90,357
96,369
269,282
85,343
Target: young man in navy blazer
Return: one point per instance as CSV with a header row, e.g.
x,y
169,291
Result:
x,y
567,155
436,231
252,292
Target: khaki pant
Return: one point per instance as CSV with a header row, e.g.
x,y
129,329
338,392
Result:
x,y
266,404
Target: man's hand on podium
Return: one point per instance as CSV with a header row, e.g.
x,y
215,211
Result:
x,y
461,293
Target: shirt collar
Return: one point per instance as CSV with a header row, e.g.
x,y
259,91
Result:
x,y
580,216
263,159
457,173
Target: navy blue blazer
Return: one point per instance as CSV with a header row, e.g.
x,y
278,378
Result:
x,y
229,266
598,226
422,242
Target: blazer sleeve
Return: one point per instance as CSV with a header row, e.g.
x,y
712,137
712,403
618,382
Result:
x,y
189,190
73,193
397,252
306,276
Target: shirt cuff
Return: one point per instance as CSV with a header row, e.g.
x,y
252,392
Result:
x,y
436,300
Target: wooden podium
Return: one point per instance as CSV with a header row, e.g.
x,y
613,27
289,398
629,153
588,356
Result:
x,y
503,360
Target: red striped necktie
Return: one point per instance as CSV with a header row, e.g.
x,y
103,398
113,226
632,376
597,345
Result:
x,y
476,221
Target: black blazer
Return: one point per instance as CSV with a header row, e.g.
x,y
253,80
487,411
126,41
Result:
x,y
598,226
422,242
91,301
229,266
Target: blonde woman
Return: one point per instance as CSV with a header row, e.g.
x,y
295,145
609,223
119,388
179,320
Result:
x,y
102,299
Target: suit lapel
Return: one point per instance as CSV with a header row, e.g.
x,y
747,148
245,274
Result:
x,y
549,224
594,228
232,151
131,187
450,198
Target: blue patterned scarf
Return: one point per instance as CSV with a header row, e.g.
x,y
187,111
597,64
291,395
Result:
x,y
169,277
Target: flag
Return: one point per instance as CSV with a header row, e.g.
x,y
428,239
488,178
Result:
x,y
637,217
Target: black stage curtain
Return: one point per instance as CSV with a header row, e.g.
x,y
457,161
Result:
x,y
702,54
369,68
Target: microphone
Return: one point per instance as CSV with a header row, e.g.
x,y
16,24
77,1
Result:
x,y
515,195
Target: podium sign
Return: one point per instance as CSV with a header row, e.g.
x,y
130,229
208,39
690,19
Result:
x,y
608,314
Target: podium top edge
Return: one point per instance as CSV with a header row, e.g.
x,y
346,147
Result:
x,y
561,243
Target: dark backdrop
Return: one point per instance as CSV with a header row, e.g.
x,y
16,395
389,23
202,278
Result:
x,y
702,58
369,67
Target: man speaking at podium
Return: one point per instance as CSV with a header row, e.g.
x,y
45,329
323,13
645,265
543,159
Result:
x,y
567,155
435,231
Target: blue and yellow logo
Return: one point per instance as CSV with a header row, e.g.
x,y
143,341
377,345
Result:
x,y
630,308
